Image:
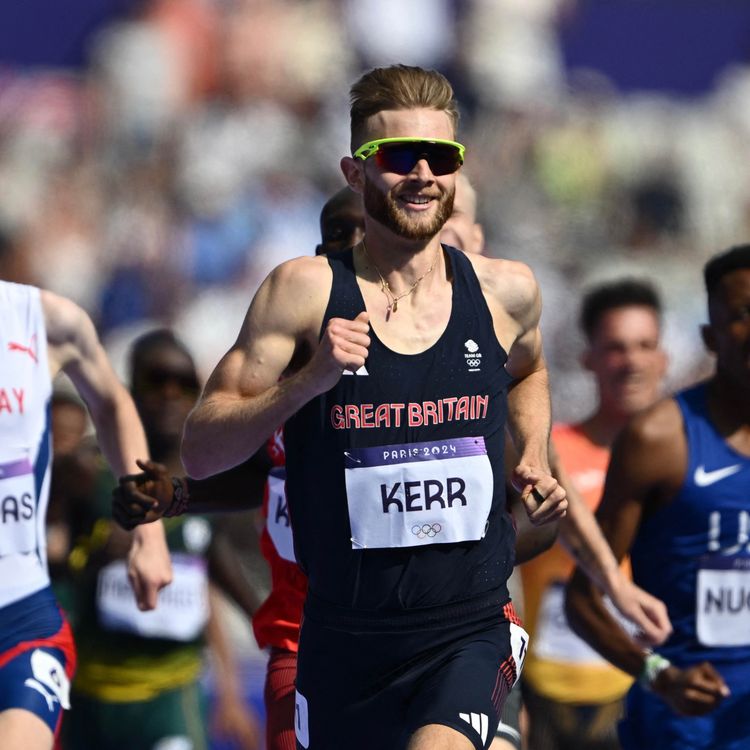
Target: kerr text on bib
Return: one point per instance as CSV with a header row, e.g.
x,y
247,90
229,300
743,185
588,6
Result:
x,y
413,494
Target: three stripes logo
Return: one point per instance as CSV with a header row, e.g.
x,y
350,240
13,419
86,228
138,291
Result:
x,y
361,371
479,722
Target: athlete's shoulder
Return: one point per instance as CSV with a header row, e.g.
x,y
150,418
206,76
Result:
x,y
300,276
510,283
64,319
292,298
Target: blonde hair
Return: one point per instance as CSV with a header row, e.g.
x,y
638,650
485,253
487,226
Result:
x,y
399,87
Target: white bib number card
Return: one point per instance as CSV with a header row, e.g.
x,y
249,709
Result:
x,y
278,523
414,494
723,605
17,508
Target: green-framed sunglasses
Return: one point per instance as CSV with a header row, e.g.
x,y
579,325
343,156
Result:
x,y
400,155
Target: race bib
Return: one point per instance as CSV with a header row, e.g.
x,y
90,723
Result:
x,y
723,601
278,523
18,528
182,609
418,493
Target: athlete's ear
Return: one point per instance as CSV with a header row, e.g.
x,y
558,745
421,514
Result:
x,y
707,334
353,170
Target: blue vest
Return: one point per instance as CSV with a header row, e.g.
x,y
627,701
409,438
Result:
x,y
694,553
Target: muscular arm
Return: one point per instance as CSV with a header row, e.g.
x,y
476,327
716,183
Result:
x,y
529,411
74,348
237,489
514,299
243,401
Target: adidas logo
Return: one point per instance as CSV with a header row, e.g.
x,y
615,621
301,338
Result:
x,y
362,371
479,723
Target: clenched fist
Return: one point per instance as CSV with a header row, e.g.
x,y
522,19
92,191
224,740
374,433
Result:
x,y
343,346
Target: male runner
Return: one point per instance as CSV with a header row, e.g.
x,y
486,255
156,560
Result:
x,y
676,499
276,624
394,470
42,334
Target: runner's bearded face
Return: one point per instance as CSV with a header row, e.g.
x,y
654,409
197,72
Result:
x,y
420,200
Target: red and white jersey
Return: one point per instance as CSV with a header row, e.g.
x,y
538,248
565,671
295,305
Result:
x,y
25,442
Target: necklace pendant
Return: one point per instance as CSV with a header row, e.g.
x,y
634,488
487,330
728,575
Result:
x,y
394,306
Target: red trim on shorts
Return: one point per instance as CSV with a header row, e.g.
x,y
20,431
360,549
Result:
x,y
510,615
508,669
62,640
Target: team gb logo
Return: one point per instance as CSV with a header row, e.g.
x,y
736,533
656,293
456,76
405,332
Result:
x,y
472,355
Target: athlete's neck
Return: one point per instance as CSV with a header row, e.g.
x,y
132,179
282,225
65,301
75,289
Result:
x,y
729,410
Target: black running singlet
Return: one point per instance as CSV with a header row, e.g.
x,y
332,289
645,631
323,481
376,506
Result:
x,y
395,476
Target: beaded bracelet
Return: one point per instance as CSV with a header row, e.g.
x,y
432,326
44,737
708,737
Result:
x,y
180,498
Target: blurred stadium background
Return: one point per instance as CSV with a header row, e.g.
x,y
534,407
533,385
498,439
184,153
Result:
x,y
159,157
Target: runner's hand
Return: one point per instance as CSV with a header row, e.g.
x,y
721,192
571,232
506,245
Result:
x,y
149,566
645,611
691,692
142,498
343,346
542,496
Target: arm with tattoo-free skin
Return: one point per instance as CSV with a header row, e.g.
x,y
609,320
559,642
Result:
x,y
152,493
515,303
244,401
74,348
648,463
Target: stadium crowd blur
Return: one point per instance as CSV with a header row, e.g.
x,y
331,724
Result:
x,y
157,179
193,147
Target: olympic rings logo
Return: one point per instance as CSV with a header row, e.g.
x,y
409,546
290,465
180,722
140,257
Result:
x,y
426,530
473,362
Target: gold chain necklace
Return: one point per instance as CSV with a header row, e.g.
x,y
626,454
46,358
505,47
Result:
x,y
385,287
